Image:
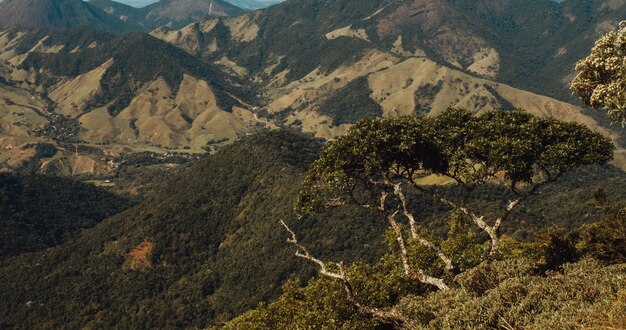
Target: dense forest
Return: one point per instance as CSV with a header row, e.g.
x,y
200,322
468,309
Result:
x,y
205,245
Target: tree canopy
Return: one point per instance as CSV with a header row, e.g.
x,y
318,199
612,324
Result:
x,y
376,164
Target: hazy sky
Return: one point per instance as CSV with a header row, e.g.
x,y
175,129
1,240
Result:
x,y
137,3
142,3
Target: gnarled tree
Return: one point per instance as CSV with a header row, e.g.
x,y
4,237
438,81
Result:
x,y
379,160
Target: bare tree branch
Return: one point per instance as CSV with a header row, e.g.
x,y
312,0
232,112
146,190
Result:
x,y
404,254
478,220
512,206
418,275
302,252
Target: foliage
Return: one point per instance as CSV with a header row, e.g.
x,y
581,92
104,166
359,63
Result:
x,y
555,249
601,80
369,166
461,243
322,302
38,212
586,294
507,293
42,150
605,239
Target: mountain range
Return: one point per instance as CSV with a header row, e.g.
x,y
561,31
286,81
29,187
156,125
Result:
x,y
153,151
285,65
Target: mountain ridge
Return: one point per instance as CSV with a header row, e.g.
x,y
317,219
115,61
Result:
x,y
58,15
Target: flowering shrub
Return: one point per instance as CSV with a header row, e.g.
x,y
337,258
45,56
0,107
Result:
x,y
600,81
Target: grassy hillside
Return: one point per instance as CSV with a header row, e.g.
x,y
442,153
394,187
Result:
x,y
39,212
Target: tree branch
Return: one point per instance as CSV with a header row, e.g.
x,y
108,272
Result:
x,y
386,316
302,252
419,276
478,220
514,204
414,233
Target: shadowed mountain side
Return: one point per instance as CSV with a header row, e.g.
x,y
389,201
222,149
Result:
x,y
60,15
39,212
178,13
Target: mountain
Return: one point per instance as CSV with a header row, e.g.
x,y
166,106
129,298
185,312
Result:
x,y
121,11
178,13
39,212
110,96
206,245
531,45
58,15
284,66
415,57
109,15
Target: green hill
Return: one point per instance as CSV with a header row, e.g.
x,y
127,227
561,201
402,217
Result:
x,y
212,247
